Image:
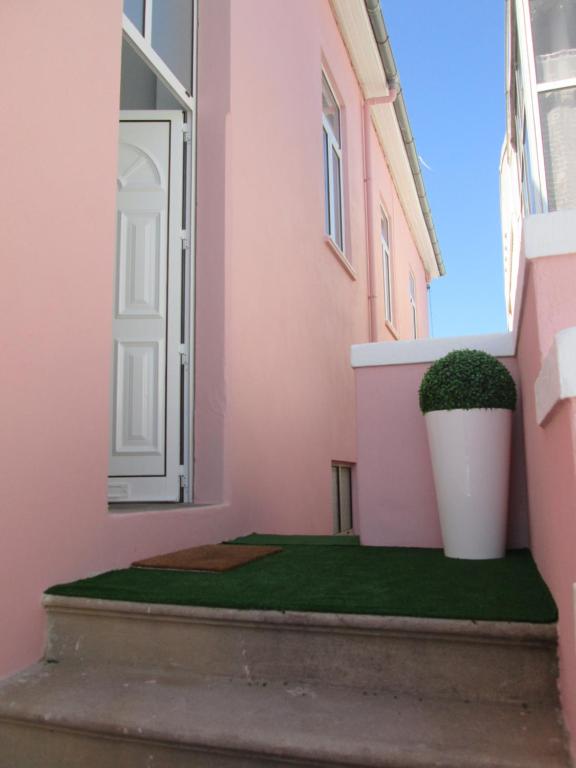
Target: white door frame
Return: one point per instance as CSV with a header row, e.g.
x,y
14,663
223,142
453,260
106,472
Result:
x,y
142,45
167,487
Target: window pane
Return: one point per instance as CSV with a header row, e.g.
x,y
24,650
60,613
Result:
x,y
139,86
172,26
325,153
558,116
134,9
337,188
330,108
414,323
554,33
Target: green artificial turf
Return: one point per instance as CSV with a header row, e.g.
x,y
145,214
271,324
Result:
x,y
345,579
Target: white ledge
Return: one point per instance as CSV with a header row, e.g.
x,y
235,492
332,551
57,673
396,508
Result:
x,y
428,350
550,234
557,378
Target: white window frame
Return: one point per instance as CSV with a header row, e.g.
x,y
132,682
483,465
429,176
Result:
x,y
330,145
412,299
533,89
386,254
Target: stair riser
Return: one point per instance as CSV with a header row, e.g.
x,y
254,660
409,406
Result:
x,y
24,746
27,746
408,663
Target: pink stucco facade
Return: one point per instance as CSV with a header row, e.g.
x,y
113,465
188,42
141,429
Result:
x,y
57,219
276,310
548,307
274,294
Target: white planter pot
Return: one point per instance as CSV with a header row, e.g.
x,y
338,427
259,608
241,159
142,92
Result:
x,y
470,453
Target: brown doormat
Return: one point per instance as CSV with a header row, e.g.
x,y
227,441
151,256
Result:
x,y
210,557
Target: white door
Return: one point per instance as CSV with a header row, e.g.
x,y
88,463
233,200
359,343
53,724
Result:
x,y
145,414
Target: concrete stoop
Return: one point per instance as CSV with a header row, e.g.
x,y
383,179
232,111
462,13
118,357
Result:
x,y
130,685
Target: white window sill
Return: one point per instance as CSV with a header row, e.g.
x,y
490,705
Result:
x,y
341,257
392,329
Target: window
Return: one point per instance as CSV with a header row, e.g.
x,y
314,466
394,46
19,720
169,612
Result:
x,y
386,266
162,33
412,298
553,24
342,497
332,150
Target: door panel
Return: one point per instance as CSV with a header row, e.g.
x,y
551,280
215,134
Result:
x,y
139,422
145,385
141,266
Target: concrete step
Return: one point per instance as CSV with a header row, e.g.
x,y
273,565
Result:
x,y
66,715
464,660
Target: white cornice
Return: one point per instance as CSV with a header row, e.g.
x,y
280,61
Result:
x,y
354,24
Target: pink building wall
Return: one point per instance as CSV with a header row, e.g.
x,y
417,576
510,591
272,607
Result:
x,y
275,310
395,487
548,307
285,303
57,230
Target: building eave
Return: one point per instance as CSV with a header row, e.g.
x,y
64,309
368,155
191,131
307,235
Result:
x,y
364,34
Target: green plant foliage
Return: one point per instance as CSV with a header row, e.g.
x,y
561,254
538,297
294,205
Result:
x,y
467,378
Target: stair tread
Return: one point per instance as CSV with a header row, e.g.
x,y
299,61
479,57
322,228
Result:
x,y
506,631
312,723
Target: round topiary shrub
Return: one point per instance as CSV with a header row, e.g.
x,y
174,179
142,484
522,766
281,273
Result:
x,y
467,378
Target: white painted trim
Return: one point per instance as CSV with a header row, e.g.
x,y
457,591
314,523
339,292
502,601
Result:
x,y
555,85
341,257
190,284
387,268
549,234
428,350
557,378
531,101
334,144
148,5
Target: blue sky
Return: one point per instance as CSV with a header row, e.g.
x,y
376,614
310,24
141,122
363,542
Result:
x,y
450,57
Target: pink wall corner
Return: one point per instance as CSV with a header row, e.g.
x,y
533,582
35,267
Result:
x,y
550,456
57,220
57,229
396,498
